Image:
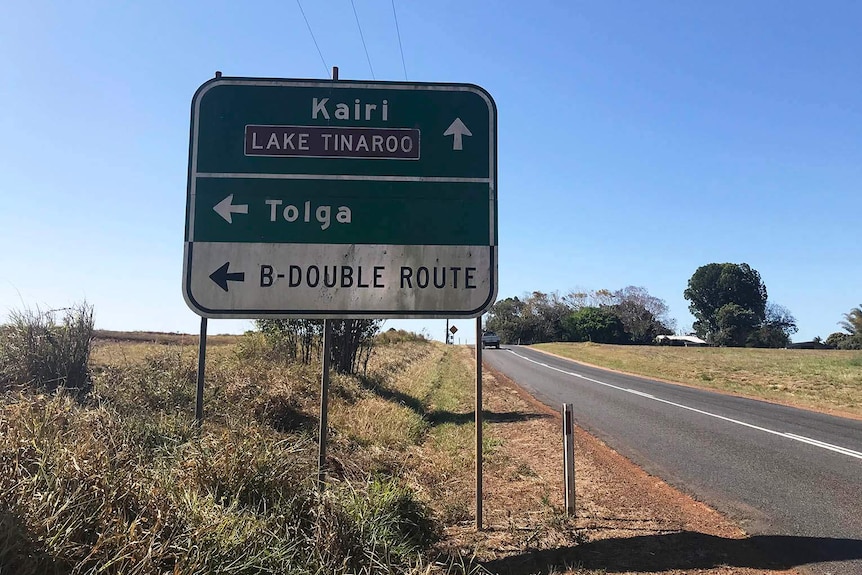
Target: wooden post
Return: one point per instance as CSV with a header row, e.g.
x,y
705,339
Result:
x,y
569,459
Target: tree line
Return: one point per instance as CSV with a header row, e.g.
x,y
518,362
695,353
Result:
x,y
729,301
628,315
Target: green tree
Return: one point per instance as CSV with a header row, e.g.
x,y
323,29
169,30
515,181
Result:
x,y
837,340
549,310
596,324
853,321
735,324
536,318
776,329
506,319
853,325
643,316
714,286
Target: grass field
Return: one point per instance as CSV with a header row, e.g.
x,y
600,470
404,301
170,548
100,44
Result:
x,y
827,380
181,339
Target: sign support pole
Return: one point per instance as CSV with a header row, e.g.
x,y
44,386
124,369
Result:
x,y
479,423
323,433
202,358
324,405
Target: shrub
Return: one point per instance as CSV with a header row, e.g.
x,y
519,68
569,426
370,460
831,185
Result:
x,y
38,352
393,336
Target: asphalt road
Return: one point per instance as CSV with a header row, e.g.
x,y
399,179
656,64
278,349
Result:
x,y
792,477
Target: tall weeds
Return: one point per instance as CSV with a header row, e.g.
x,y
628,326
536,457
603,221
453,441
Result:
x,y
39,352
124,482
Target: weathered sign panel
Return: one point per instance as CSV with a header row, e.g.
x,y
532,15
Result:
x,y
341,199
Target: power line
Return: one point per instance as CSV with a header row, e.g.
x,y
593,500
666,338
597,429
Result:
x,y
403,65
325,67
361,35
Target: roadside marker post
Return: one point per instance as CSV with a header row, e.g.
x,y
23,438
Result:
x,y
569,459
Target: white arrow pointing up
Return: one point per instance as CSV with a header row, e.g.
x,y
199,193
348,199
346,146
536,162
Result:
x,y
226,209
457,129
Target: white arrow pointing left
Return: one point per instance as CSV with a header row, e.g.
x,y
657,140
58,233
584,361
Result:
x,y
226,209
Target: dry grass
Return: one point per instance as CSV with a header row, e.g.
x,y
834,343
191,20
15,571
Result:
x,y
124,483
827,380
181,339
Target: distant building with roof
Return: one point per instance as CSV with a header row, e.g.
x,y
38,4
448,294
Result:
x,y
681,340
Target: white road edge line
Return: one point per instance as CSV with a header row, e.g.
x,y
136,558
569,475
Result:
x,y
824,445
794,437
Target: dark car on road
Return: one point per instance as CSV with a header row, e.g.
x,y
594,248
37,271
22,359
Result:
x,y
490,339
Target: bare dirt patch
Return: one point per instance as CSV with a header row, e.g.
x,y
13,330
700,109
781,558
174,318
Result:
x,y
627,521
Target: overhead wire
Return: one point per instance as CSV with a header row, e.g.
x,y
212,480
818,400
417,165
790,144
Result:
x,y
400,47
362,36
313,39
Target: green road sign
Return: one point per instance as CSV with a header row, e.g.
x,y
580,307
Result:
x,y
341,199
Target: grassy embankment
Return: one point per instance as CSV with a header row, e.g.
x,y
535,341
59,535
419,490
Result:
x,y
119,480
821,379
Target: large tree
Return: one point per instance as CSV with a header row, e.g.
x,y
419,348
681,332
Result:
x,y
776,329
735,325
536,318
506,319
714,286
596,324
644,316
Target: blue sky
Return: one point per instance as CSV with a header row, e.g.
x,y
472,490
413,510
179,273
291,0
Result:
x,y
637,140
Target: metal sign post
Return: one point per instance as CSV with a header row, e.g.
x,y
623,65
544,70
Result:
x,y
324,404
479,455
202,362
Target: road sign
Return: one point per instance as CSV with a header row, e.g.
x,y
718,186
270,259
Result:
x,y
341,199
453,330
